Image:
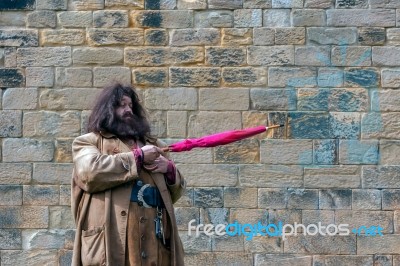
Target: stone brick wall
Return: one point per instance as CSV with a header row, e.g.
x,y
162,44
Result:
x,y
329,70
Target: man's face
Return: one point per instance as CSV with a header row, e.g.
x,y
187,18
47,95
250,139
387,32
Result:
x,y
124,110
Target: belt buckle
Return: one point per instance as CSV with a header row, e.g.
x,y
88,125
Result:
x,y
141,201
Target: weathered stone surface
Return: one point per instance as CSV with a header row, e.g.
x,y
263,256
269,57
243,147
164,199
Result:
x,y
314,216
186,200
219,258
20,98
199,36
366,199
345,125
158,123
381,177
216,100
284,36
335,199
371,36
18,38
391,77
264,36
208,197
10,57
308,125
351,56
237,36
12,77
358,152
344,260
75,19
390,199
51,173
251,216
356,219
383,244
213,19
386,56
10,195
348,100
325,152
227,243
271,56
189,4
52,4
385,100
287,3
361,17
19,5
98,37
10,124
41,195
41,19
110,19
225,4
65,195
61,218
312,56
10,239
261,244
288,198
173,98
194,76
311,99
62,37
39,76
134,4
43,239
26,150
286,151
244,76
103,76
253,119
245,151
15,173
276,18
156,37
88,55
23,217
318,3
12,18
337,36
207,122
389,152
29,257
247,18
282,259
87,4
356,4
205,174
308,17
74,77
221,56
270,176
257,3
330,77
292,77
184,215
384,4
170,19
40,56
153,76
361,77
380,125
284,216
193,243
160,56
63,152
240,197
321,244
332,177
46,123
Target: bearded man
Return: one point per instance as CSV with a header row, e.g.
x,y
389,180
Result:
x,y
123,188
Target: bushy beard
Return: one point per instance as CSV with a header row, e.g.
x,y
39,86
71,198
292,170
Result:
x,y
129,126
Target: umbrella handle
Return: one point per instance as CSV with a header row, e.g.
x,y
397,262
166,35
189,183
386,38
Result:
x,y
165,149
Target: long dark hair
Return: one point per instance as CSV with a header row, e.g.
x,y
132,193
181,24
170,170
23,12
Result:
x,y
103,116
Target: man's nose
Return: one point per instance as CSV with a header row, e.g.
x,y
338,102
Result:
x,y
128,110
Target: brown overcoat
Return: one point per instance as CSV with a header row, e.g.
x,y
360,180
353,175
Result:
x,y
103,175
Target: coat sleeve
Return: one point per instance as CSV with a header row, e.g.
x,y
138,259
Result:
x,y
94,171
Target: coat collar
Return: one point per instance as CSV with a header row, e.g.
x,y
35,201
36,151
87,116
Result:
x,y
109,135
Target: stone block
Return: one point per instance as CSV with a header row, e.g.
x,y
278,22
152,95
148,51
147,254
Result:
x,y
237,36
383,260
264,36
385,100
10,57
110,19
42,57
308,125
247,18
19,5
312,56
310,99
51,124
344,260
371,36
390,77
284,216
314,216
65,195
15,173
270,176
11,239
10,125
251,216
342,176
229,56
325,152
358,152
29,257
217,100
44,239
208,197
166,19
136,4
25,150
12,77
330,77
287,3
384,4
150,76
397,227
189,4
276,18
367,199
99,37
193,243
351,56
219,258
386,56
225,4
63,37
361,17
63,152
390,199
356,4
158,123
86,4
227,243
213,19
286,151
208,122
17,38
240,197
52,174
245,151
348,100
282,259
75,19
41,195
61,217
308,18
198,36
292,77
74,77
160,56
380,125
383,244
10,195
12,18
361,77
257,3
171,99
23,217
284,36
194,76
244,76
389,152
156,37
345,125
272,56
291,199
318,3
335,199
381,177
262,244
101,56
336,36
311,244
39,77
41,19
184,215
103,76
20,98
204,174
356,219
51,4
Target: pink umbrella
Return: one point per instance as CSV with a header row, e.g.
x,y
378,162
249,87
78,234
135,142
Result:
x,y
217,139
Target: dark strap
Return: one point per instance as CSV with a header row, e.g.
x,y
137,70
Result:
x,y
151,195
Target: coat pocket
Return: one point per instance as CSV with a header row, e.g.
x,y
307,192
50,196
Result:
x,y
93,247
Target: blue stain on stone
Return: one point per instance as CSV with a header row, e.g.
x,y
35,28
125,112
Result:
x,y
152,4
17,4
372,123
362,77
346,128
152,19
325,151
348,102
359,152
302,82
309,125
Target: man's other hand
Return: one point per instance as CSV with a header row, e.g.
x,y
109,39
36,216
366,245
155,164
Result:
x,y
150,153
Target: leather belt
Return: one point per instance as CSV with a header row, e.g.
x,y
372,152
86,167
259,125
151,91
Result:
x,y
146,195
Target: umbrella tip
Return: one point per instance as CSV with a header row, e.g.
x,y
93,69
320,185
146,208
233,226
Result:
x,y
281,125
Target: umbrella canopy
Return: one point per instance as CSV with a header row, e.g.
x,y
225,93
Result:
x,y
218,139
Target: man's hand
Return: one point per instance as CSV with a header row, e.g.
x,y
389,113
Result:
x,y
160,165
151,153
